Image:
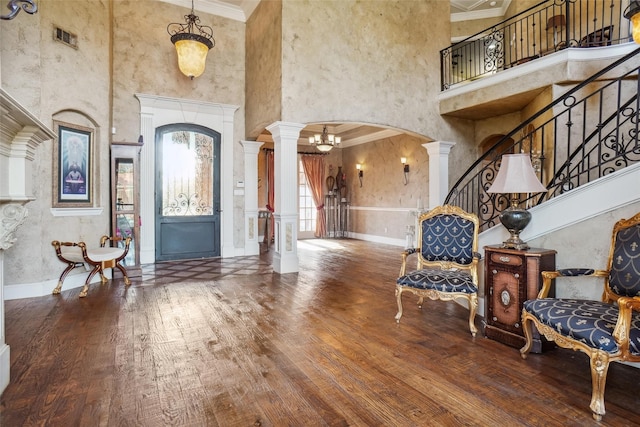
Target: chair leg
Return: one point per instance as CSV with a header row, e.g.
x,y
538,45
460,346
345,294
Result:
x,y
127,282
103,278
70,266
599,362
528,335
85,288
399,300
473,309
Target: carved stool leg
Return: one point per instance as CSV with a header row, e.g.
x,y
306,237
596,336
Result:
x,y
127,282
85,288
70,266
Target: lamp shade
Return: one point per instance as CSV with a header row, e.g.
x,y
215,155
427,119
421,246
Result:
x,y
192,54
516,175
556,21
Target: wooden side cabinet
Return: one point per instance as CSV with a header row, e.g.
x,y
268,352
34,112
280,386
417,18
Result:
x,y
511,277
125,201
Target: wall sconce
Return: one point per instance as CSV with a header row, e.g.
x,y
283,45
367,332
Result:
x,y
360,172
191,47
632,13
403,160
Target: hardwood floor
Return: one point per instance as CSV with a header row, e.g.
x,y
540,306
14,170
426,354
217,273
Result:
x,y
230,343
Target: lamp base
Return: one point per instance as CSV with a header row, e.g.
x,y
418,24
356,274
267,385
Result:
x,y
515,220
515,242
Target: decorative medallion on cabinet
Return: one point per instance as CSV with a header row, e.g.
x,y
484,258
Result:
x,y
511,277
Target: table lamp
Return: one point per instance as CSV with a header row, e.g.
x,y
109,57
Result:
x,y
515,176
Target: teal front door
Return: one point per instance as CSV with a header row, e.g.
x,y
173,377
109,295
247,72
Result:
x,y
187,192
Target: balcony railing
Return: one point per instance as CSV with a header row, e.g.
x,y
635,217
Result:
x,y
545,28
588,132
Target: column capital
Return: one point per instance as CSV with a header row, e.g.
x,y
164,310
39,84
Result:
x,y
438,147
251,147
285,130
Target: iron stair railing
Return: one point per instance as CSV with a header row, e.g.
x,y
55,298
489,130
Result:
x,y
544,28
588,132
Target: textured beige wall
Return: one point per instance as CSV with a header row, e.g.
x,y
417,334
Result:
x,y
383,185
263,65
145,61
370,62
55,81
464,29
74,85
574,251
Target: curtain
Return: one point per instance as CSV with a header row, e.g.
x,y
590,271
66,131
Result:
x,y
270,195
314,171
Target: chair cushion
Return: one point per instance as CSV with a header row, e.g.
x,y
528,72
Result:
x,y
104,254
586,321
439,280
72,253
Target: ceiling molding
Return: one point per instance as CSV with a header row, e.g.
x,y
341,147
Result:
x,y
495,12
238,10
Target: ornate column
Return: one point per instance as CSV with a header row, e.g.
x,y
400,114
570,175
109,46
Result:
x,y
438,171
251,150
285,143
20,134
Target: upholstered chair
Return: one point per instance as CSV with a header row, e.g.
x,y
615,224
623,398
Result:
x,y
606,330
446,260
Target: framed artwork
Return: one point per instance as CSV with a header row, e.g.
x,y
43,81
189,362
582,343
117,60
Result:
x,y
72,166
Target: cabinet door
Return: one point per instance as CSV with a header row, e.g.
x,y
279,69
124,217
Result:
x,y
506,299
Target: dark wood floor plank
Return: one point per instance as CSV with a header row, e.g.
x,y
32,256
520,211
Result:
x,y
228,342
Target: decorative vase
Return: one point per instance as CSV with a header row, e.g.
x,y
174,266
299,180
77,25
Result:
x,y
340,179
330,181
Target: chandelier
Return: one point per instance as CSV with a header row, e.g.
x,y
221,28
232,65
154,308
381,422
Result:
x,y
192,42
324,142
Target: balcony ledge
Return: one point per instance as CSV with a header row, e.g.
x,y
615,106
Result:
x,y
511,90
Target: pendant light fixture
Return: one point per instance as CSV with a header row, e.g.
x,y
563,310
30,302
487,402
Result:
x,y
324,142
192,42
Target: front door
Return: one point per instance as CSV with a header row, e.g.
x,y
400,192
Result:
x,y
187,192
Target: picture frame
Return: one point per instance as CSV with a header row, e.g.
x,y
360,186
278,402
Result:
x,y
72,166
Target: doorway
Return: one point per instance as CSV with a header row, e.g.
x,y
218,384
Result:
x,y
187,188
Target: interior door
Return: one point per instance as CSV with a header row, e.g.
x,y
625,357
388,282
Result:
x,y
187,192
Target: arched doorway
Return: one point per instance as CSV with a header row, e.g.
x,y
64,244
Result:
x,y
187,192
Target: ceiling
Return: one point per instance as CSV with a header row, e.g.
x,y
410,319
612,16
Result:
x,y
351,133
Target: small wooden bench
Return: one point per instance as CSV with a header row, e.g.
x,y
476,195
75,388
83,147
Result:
x,y
76,255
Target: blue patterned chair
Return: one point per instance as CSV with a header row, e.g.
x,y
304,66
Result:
x,y
447,260
606,331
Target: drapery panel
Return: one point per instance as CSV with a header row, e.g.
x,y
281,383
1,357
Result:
x,y
314,170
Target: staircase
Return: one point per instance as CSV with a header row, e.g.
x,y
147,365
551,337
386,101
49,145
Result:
x,y
585,149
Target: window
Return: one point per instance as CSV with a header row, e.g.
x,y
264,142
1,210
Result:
x,y
308,211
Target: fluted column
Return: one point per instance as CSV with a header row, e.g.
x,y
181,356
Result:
x,y
285,142
438,171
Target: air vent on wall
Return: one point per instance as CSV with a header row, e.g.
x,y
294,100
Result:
x,y
65,37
